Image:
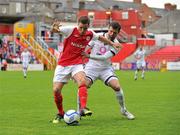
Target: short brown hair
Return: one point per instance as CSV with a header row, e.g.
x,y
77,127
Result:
x,y
115,25
84,20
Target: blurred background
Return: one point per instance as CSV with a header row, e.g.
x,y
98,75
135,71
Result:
x,y
26,24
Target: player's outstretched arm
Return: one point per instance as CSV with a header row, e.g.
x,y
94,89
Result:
x,y
117,46
105,56
55,26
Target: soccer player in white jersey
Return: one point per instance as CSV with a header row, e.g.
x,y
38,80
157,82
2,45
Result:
x,y
25,58
140,62
100,66
70,64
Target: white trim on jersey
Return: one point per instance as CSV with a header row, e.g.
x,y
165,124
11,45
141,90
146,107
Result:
x,y
67,31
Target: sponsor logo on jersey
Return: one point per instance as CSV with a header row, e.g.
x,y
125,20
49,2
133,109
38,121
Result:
x,y
76,35
78,45
103,50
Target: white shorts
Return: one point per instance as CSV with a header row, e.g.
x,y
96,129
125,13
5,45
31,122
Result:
x,y
105,74
63,74
140,64
25,64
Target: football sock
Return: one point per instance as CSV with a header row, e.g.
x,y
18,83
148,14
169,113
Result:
x,y
58,100
24,72
120,98
78,103
143,73
82,96
136,72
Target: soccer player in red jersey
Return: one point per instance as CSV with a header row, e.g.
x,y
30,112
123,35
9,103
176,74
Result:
x,y
71,62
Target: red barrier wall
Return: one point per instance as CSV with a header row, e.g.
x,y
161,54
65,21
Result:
x,y
6,29
146,41
127,50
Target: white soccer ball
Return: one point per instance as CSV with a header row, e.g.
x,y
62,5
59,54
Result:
x,y
71,117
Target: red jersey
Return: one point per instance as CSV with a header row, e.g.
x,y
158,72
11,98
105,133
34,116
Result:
x,y
74,45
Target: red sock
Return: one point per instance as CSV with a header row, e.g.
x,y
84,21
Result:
x,y
83,96
58,100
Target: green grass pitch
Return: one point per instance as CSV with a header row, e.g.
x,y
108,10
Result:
x,y
27,105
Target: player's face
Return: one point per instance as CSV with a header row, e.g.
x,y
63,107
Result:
x,y
82,28
112,33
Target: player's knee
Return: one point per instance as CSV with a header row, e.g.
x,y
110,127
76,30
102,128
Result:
x,y
81,82
55,88
116,88
88,83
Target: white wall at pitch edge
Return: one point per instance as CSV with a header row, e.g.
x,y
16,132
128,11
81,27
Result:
x,y
173,65
31,67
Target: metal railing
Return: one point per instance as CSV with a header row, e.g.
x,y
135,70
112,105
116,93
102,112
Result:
x,y
43,54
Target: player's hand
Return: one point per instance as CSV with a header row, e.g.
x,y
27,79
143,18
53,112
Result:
x,y
117,46
55,26
85,54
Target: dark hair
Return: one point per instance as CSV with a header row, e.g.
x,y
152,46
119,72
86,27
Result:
x,y
84,20
115,25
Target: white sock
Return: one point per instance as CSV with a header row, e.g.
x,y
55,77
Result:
x,y
120,98
143,73
24,72
78,103
136,72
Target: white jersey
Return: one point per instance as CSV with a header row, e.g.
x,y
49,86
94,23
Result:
x,y
99,48
25,57
140,55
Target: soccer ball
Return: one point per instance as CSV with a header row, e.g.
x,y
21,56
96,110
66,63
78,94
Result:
x,y
71,117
